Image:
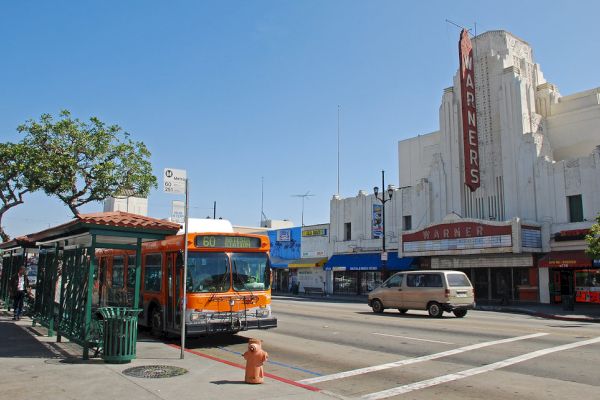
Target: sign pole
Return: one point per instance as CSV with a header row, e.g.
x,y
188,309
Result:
x,y
185,265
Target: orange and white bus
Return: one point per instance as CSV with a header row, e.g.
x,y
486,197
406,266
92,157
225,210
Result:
x,y
228,281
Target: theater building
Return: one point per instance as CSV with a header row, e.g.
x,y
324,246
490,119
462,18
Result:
x,y
513,164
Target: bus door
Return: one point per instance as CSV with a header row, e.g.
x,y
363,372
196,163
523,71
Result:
x,y
174,271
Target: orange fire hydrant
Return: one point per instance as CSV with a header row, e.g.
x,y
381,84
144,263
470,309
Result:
x,y
255,358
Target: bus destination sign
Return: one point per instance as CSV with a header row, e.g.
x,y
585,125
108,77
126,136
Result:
x,y
234,242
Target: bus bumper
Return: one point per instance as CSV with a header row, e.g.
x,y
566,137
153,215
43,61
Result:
x,y
215,327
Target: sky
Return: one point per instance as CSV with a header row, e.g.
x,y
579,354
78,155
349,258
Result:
x,y
239,93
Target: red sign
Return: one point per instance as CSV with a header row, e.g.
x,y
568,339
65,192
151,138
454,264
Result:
x,y
565,260
469,111
457,230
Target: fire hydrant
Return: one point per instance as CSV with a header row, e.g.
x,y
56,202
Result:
x,y
255,358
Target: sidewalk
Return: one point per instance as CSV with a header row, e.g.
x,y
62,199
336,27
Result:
x,y
580,313
35,366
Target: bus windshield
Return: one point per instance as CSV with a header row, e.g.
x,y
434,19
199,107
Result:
x,y
251,271
207,272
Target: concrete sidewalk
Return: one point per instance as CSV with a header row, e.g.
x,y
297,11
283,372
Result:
x,y
580,313
35,366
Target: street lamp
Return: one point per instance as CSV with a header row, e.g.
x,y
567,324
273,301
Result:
x,y
383,200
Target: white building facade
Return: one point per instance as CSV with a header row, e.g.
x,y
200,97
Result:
x,y
532,158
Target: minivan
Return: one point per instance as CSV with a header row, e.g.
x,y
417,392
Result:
x,y
434,291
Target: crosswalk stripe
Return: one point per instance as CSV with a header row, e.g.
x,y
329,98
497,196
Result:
x,y
474,371
408,361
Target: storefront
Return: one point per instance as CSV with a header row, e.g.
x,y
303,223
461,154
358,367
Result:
x,y
285,248
308,273
361,273
572,273
498,257
496,277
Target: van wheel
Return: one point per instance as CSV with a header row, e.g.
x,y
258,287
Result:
x,y
459,313
156,322
435,310
377,306
402,310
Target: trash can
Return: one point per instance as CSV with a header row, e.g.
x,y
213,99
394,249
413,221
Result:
x,y
568,302
119,334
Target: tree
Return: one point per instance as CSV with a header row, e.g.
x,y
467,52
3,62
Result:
x,y
85,162
13,183
593,240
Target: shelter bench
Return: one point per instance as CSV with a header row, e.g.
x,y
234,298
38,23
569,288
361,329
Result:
x,y
318,290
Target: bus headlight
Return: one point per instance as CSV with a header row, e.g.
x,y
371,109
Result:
x,y
263,311
196,317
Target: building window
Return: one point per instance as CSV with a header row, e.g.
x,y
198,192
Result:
x,y
406,223
348,231
575,208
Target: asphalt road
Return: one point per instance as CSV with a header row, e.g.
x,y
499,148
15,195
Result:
x,y
349,352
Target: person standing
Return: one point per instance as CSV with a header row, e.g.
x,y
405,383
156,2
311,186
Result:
x,y
19,286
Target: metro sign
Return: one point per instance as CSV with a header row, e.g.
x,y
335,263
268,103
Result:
x,y
469,112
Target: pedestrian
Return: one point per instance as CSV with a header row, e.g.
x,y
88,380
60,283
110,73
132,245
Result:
x,y
19,287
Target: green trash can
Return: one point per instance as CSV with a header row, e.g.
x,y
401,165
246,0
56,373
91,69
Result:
x,y
120,334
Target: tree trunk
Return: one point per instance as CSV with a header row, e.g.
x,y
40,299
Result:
x,y
74,210
4,235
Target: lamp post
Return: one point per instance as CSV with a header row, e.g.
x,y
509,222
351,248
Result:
x,y
383,200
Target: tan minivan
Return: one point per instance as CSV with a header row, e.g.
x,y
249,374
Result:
x,y
434,291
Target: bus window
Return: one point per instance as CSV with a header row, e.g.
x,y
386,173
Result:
x,y
250,271
117,272
207,272
153,273
131,272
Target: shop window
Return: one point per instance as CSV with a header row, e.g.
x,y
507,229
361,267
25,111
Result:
x,y
369,281
407,223
345,282
575,208
348,231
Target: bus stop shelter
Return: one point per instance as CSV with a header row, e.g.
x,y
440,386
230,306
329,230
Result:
x,y
67,268
15,254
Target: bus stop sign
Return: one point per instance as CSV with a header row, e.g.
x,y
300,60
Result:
x,y
174,181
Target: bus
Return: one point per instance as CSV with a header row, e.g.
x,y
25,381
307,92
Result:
x,y
228,281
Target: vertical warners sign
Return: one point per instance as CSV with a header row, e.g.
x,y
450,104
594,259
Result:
x,y
469,111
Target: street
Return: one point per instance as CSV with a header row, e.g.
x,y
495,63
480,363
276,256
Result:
x,y
347,351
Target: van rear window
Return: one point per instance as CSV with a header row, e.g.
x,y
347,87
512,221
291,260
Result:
x,y
458,280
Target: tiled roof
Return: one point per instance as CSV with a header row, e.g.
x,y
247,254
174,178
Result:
x,y
127,220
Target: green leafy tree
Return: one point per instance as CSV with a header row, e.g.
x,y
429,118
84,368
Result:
x,y
593,240
83,162
13,182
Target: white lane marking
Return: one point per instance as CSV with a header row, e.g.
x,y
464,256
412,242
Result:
x,y
411,338
408,361
474,371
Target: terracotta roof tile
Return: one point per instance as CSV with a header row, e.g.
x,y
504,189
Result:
x,y
127,220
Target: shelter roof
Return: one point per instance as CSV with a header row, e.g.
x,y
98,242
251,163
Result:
x,y
126,223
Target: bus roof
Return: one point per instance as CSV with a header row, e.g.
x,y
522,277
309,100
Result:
x,y
199,225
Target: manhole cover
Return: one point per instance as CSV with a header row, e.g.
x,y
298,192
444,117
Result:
x,y
154,371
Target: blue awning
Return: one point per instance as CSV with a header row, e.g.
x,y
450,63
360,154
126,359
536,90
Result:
x,y
279,263
368,262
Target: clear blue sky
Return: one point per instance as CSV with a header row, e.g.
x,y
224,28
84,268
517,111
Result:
x,y
234,91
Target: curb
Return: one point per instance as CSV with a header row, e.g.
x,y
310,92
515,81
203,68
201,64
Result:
x,y
539,314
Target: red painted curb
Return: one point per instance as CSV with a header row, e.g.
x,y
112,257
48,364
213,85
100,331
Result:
x,y
240,366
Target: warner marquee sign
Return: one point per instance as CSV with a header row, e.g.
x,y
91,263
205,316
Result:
x,y
471,238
